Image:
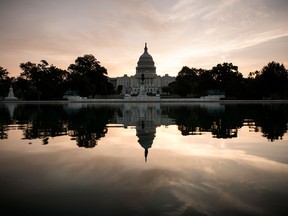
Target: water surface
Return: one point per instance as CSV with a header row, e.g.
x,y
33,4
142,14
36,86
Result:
x,y
144,159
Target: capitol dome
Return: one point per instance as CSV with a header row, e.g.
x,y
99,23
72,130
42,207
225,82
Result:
x,y
145,63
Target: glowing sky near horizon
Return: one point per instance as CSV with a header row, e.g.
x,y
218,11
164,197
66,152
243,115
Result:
x,y
200,34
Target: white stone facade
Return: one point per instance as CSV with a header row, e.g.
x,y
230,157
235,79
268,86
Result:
x,y
146,73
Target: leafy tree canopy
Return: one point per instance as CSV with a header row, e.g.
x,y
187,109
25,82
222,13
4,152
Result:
x,y
41,81
4,82
273,80
3,73
88,77
186,81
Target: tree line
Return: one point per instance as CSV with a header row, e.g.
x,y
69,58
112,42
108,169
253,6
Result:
x,y
88,78
269,83
89,123
44,81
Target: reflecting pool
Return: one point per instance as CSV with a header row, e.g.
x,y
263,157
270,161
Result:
x,y
144,159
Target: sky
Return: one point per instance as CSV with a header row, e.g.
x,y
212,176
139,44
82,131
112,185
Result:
x,y
193,33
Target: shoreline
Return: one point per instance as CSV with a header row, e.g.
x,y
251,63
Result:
x,y
111,101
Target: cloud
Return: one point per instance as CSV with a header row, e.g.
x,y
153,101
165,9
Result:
x,y
177,32
255,57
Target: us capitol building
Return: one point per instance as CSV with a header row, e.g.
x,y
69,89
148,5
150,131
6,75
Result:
x,y
145,74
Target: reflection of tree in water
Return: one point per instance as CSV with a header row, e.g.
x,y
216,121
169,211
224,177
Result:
x,y
3,134
85,138
273,120
88,125
41,121
270,119
190,119
219,130
85,125
193,120
226,124
4,121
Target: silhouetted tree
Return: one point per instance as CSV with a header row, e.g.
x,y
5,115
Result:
x,y
88,77
24,89
4,82
166,90
119,89
205,82
3,73
228,79
223,77
251,86
186,81
273,80
41,81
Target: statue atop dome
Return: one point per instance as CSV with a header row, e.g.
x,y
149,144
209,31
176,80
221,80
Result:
x,y
145,48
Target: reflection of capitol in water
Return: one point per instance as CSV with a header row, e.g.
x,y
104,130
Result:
x,y
145,118
135,112
87,123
